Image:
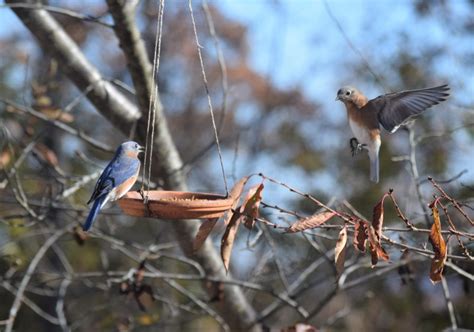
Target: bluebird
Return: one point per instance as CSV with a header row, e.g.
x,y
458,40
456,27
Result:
x,y
116,179
390,110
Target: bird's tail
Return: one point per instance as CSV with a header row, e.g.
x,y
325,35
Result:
x,y
98,203
374,168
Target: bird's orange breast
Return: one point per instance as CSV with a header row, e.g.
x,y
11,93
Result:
x,y
363,117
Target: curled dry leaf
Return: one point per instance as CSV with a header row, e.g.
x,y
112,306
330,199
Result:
x,y
310,222
249,208
439,247
5,158
58,114
228,238
235,193
237,189
361,233
340,250
377,217
203,232
207,226
376,249
47,154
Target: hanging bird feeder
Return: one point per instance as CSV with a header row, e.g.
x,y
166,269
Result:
x,y
175,205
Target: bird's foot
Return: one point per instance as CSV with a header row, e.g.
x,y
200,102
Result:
x,y
356,147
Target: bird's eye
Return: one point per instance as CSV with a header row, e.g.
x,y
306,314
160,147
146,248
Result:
x,y
348,93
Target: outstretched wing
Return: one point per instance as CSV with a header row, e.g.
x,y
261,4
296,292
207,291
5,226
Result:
x,y
395,108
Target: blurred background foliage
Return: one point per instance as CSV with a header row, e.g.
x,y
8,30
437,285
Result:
x,y
285,61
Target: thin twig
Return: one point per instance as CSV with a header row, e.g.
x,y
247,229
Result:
x,y
29,273
59,10
449,304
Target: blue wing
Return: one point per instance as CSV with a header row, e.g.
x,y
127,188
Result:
x,y
119,170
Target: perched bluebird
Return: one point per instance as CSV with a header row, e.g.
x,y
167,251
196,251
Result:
x,y
116,180
391,111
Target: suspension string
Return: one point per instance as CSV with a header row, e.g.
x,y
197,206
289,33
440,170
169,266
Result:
x,y
152,102
216,136
156,68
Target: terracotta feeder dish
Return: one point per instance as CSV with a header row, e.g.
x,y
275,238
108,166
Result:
x,y
175,205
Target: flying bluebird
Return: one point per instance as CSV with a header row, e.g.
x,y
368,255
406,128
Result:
x,y
391,111
116,180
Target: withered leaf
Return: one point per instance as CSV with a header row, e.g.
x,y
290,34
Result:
x,y
439,247
47,154
228,238
235,193
203,232
377,217
237,189
340,250
360,235
310,222
376,249
249,208
5,158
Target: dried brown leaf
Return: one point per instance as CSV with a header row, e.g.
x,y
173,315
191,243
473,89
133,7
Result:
x,y
249,208
5,158
340,250
310,222
57,114
237,189
228,238
376,249
377,217
360,235
47,154
439,247
203,232
235,193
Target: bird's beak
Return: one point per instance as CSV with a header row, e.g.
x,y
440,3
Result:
x,y
337,98
141,149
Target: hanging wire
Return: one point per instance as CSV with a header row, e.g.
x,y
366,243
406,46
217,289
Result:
x,y
216,136
220,59
366,62
153,101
